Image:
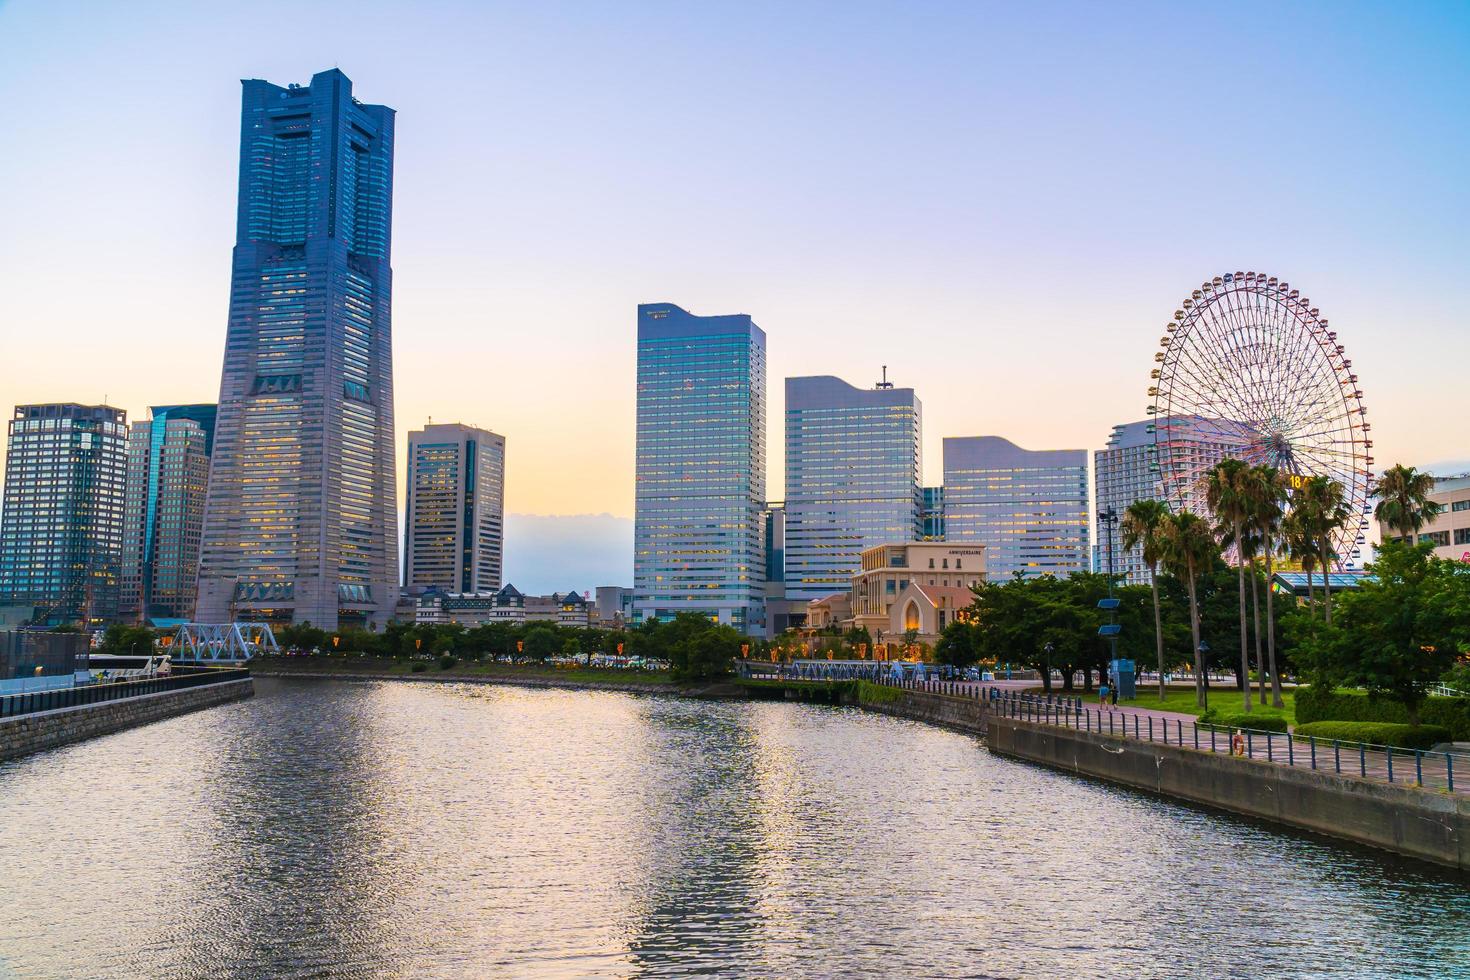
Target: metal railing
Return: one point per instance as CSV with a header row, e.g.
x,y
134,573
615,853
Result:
x,y
1366,760
29,702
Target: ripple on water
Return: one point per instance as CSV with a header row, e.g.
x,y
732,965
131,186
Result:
x,y
411,830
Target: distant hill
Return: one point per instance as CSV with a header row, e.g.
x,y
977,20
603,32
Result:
x,y
553,553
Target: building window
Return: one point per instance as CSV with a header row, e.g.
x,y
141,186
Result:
x,y
1462,535
1460,505
1440,538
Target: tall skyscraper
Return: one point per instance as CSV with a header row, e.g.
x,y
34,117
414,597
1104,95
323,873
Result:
x,y
701,467
302,520
456,509
1127,470
852,479
62,527
163,518
1028,508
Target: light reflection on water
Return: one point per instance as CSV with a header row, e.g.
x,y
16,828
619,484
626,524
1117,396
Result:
x,y
413,830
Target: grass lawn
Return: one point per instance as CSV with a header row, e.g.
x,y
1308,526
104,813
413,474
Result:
x,y
1181,699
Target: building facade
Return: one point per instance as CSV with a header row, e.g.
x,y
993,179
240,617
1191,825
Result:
x,y
508,605
613,606
163,519
61,530
1127,470
701,468
1450,531
302,516
932,517
1029,508
456,509
946,571
853,462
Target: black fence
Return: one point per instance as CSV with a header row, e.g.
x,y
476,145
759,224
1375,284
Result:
x,y
1383,763
12,705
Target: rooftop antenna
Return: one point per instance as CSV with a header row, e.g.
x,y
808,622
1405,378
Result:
x,y
885,383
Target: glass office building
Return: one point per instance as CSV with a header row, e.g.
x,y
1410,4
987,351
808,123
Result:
x,y
1127,470
61,529
1028,508
302,519
852,479
163,519
701,467
456,509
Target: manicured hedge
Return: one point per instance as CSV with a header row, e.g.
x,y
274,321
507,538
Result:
x,y
1377,733
1313,705
1225,721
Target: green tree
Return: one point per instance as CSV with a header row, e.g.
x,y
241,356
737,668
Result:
x,y
1403,500
1324,505
1400,630
1189,547
1228,494
1268,499
958,646
1299,543
1143,528
130,641
540,641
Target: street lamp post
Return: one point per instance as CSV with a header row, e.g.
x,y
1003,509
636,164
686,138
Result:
x,y
1110,518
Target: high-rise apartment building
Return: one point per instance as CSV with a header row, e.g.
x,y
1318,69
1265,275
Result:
x,y
852,478
61,529
456,509
163,518
701,467
302,520
1028,508
1127,470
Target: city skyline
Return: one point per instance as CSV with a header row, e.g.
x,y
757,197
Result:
x,y
862,246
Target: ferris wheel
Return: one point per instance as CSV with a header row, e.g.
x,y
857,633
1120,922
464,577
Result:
x,y
1248,369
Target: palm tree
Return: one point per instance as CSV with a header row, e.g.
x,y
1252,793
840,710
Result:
x,y
1327,513
1189,548
1250,546
1228,493
1403,500
1270,494
1144,527
1299,544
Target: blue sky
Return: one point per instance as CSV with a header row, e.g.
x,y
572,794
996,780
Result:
x,y
1003,203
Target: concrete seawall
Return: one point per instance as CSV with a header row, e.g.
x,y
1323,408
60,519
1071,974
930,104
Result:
x,y
1426,824
961,714
42,730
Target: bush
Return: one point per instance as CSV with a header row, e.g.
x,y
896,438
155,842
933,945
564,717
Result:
x,y
418,667
446,661
1226,721
1314,704
1377,733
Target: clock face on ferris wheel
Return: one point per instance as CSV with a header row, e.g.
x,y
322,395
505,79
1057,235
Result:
x,y
1248,368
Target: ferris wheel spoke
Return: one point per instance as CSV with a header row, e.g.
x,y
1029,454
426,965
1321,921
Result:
x,y
1250,372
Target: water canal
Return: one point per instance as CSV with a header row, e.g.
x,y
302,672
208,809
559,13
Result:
x,y
333,829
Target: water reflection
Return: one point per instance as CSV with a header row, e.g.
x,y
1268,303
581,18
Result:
x,y
391,829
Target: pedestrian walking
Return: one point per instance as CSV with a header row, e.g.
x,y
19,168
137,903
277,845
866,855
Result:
x,y
1102,695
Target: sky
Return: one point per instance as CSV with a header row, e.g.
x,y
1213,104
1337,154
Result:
x,y
1003,203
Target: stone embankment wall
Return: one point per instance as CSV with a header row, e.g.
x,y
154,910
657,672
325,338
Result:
x,y
962,714
1421,823
24,734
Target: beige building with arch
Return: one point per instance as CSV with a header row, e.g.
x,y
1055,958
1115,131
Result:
x,y
915,585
